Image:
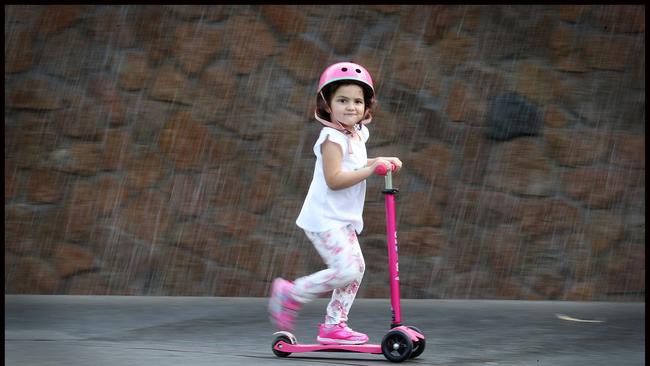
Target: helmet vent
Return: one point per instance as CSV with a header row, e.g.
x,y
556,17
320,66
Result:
x,y
344,69
358,71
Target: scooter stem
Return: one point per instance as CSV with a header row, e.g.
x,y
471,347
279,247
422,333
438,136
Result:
x,y
391,239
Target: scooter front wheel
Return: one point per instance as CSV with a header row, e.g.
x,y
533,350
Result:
x,y
276,341
418,346
396,346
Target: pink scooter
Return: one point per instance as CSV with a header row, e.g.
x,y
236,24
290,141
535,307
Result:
x,y
401,342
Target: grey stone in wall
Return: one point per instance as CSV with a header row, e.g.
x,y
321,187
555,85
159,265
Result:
x,y
510,116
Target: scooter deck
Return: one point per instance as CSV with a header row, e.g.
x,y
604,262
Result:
x,y
296,348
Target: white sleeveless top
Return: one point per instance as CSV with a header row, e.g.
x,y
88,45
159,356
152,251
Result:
x,y
325,209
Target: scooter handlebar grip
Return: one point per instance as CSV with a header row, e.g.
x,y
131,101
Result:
x,y
382,170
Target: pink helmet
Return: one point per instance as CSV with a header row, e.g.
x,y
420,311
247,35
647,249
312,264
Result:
x,y
346,71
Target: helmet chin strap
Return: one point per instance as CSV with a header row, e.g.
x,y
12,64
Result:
x,y
337,126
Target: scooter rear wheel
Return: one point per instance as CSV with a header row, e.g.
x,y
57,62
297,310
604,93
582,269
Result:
x,y
276,341
396,346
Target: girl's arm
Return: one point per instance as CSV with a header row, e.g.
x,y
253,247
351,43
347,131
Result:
x,y
337,179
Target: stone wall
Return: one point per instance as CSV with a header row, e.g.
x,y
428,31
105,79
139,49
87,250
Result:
x,y
165,150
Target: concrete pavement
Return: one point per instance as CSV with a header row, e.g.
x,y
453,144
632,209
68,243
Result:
x,y
179,331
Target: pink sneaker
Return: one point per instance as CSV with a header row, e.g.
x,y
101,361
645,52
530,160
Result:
x,y
339,334
283,310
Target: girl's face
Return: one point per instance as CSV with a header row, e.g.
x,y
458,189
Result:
x,y
347,105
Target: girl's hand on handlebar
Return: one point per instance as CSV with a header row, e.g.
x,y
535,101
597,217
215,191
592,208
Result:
x,y
381,166
396,163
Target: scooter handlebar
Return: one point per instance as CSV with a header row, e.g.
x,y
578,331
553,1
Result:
x,y
382,170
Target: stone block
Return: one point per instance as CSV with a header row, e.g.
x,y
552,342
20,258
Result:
x,y
19,54
35,92
81,158
509,116
482,207
196,46
602,230
134,71
578,147
250,43
595,187
29,275
425,242
187,195
145,170
520,167
433,163
304,59
69,260
609,52
46,186
172,86
629,150
147,217
286,19
56,17
540,217
185,142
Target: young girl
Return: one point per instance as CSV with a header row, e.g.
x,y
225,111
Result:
x,y
331,215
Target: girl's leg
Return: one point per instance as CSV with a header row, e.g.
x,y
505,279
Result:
x,y
343,297
340,250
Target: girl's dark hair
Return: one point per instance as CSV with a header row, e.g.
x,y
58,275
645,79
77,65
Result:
x,y
328,92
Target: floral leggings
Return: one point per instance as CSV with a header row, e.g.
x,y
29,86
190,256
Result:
x,y
340,250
